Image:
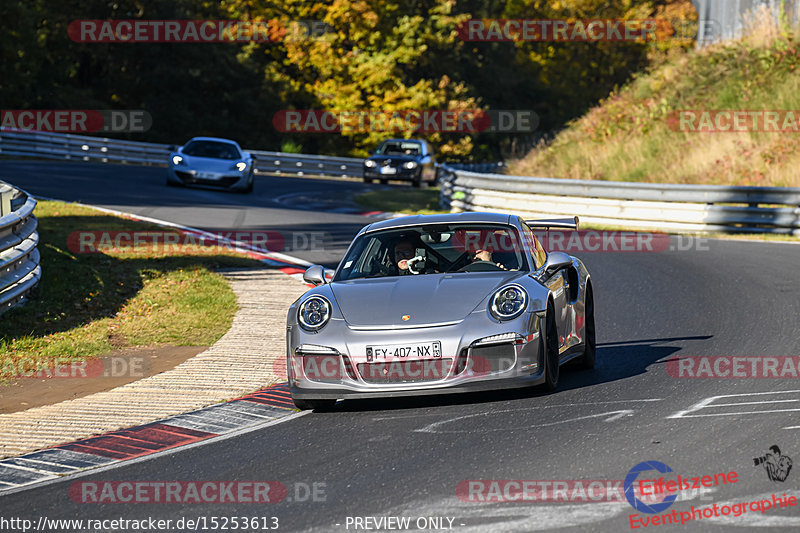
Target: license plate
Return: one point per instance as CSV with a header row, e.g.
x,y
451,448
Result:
x,y
413,351
388,170
207,175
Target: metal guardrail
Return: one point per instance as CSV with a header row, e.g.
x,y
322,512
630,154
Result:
x,y
676,207
80,148
85,148
286,164
19,259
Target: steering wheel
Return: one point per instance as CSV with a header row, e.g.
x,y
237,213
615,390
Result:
x,y
480,266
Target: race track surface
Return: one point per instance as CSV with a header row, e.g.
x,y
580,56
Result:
x,y
406,458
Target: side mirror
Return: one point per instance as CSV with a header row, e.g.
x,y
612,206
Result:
x,y
315,274
555,262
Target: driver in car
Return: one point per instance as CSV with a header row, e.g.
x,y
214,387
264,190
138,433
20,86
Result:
x,y
403,251
481,255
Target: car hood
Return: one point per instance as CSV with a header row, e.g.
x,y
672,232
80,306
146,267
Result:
x,y
428,298
208,163
396,159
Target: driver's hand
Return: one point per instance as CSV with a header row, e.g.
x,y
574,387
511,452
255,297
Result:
x,y
403,264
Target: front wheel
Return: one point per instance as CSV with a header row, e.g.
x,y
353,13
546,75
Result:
x,y
552,369
316,405
589,340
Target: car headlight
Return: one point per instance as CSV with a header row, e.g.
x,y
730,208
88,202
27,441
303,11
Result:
x,y
410,164
240,166
369,163
508,302
314,313
177,160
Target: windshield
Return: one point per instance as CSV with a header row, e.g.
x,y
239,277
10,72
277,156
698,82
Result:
x,y
434,249
213,149
400,148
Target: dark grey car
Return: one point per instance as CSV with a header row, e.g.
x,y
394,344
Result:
x,y
404,160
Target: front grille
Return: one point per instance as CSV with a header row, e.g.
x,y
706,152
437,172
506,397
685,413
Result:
x,y
226,181
494,358
405,371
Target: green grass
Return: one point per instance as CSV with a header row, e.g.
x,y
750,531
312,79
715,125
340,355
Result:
x,y
89,304
401,200
628,136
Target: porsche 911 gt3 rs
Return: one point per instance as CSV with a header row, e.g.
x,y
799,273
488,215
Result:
x,y
433,304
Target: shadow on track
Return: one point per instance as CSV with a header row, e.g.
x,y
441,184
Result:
x,y
615,360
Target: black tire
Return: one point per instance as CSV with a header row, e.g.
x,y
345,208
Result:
x,y
589,339
250,184
366,179
173,184
316,405
552,368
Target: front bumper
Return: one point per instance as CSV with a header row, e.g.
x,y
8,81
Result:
x,y
401,173
334,363
187,176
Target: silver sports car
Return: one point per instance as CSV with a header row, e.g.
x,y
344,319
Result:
x,y
432,304
212,162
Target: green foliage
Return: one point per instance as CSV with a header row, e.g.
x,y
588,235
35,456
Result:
x,y
386,55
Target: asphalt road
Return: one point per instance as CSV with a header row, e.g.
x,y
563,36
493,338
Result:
x,y
406,458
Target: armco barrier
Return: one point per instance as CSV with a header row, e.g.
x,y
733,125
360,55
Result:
x,y
19,259
673,207
43,145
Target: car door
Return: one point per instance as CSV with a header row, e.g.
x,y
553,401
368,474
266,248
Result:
x,y
557,284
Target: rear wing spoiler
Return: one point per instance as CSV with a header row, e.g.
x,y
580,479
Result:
x,y
554,223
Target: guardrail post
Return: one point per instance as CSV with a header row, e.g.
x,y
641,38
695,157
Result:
x,y
6,192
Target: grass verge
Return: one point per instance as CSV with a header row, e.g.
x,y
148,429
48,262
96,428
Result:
x,y
635,134
402,200
91,303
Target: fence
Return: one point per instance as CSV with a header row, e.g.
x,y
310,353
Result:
x,y
683,208
19,259
85,148
725,19
18,143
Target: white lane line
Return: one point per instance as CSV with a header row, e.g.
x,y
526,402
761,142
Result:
x,y
433,428
112,466
537,407
751,403
625,412
709,402
270,255
739,413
